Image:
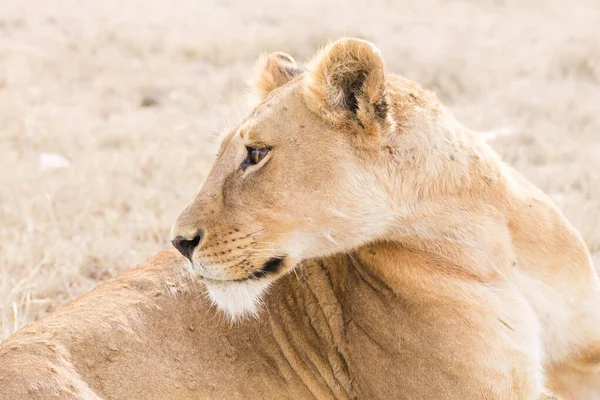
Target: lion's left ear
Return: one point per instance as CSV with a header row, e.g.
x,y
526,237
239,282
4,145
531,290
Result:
x,y
272,71
346,81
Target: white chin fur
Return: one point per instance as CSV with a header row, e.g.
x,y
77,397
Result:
x,y
238,299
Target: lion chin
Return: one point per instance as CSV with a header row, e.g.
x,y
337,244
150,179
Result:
x,y
238,300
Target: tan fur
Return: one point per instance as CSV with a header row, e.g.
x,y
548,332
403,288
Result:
x,y
272,71
422,267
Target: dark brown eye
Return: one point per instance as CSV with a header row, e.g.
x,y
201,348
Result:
x,y
256,155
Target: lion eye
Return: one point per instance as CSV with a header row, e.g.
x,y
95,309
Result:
x,y
256,155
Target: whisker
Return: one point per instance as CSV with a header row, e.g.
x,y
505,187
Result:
x,y
252,233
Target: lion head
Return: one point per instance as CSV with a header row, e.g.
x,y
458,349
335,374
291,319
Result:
x,y
312,171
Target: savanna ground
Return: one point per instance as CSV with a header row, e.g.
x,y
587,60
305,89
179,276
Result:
x,y
109,112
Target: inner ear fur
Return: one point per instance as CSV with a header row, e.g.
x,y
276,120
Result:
x,y
347,79
272,71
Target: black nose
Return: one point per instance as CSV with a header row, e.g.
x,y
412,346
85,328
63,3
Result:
x,y
187,246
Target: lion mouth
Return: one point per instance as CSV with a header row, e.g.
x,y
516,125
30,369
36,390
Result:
x,y
271,267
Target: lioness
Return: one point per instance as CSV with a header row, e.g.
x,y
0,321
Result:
x,y
422,267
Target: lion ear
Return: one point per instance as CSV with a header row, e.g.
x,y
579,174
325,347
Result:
x,y
347,78
272,71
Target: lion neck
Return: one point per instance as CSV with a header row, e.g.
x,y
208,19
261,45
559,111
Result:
x,y
474,240
337,320
306,321
449,196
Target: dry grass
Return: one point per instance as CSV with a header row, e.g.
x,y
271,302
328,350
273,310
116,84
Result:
x,y
73,75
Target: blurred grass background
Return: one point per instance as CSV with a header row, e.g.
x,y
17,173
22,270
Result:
x,y
109,109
